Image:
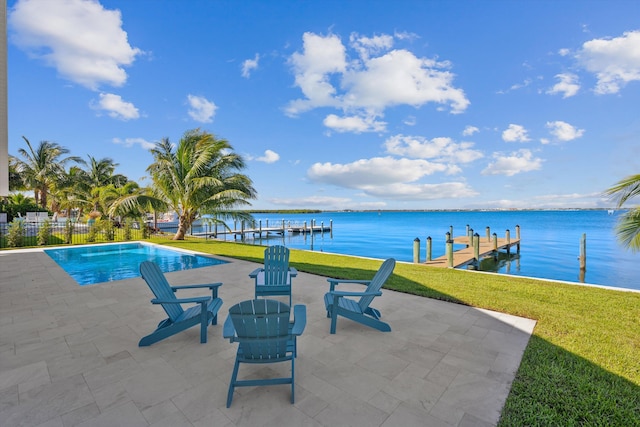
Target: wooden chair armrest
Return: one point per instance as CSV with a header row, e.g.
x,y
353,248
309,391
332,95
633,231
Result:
x,y
228,330
206,285
254,273
181,300
354,294
334,282
299,319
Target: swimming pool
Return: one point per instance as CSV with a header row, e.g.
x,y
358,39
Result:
x,y
93,264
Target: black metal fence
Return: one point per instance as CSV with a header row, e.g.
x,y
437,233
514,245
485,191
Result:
x,y
20,233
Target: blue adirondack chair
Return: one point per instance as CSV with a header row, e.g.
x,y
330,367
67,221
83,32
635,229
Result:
x,y
338,303
205,311
274,278
265,334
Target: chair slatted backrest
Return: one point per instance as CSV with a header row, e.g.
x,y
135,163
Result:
x,y
158,284
378,280
276,265
262,329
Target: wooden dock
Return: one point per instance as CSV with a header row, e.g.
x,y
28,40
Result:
x,y
259,231
474,251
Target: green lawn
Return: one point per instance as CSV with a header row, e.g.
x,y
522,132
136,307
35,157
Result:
x,y
582,364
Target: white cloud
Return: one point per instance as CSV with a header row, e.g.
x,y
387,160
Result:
x,y
564,52
366,173
322,201
367,46
269,157
403,35
116,107
516,162
249,65
517,86
380,78
201,109
563,131
389,178
354,124
568,85
515,133
615,62
405,192
321,57
401,78
82,40
410,121
470,130
441,149
130,142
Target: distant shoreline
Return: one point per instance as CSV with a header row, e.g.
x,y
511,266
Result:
x,y
304,211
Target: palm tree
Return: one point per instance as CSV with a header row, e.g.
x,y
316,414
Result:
x,y
201,176
99,172
16,182
41,167
628,228
110,194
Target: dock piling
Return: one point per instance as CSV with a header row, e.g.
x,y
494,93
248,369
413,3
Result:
x,y
416,250
429,252
583,252
476,251
495,246
449,250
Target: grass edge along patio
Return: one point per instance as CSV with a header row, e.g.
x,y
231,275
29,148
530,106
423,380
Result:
x,y
580,366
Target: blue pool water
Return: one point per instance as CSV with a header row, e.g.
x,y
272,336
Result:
x,y
105,263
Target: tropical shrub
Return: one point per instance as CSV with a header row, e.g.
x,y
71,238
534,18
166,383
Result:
x,y
127,228
44,233
68,231
92,235
15,234
107,229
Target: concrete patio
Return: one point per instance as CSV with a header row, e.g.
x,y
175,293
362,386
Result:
x,y
69,356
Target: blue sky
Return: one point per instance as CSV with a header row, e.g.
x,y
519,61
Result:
x,y
344,104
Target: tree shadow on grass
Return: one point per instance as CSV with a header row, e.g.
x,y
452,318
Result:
x,y
554,387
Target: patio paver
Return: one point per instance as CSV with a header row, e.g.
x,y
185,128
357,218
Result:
x,y
69,356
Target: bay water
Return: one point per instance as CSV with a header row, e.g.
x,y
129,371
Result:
x,y
550,240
